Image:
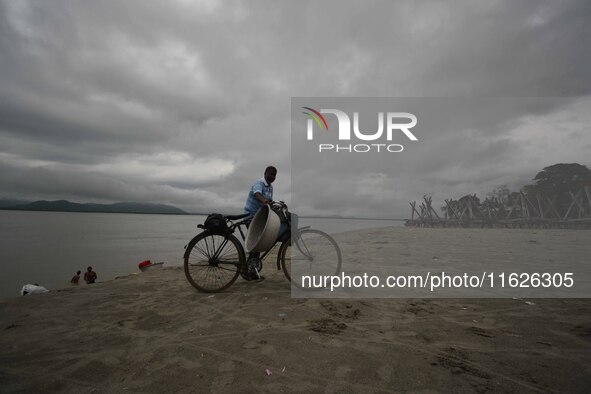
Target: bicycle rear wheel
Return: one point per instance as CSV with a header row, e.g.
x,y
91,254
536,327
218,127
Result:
x,y
315,254
212,261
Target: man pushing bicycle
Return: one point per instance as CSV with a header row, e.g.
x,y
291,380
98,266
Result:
x,y
260,194
215,258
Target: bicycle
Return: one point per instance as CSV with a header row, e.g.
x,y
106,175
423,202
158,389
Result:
x,y
215,258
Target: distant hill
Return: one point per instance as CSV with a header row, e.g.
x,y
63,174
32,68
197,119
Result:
x,y
120,207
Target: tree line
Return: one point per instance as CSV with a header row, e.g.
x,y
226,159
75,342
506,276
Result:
x,y
554,191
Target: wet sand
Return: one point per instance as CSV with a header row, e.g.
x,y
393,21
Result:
x,y
152,332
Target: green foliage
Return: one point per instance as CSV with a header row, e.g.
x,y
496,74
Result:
x,y
560,181
557,183
499,194
561,178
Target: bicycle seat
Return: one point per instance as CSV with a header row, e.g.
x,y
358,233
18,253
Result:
x,y
236,217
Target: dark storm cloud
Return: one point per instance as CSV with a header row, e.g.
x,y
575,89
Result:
x,y
464,147
187,102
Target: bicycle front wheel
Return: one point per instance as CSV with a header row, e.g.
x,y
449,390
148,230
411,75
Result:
x,y
212,261
314,253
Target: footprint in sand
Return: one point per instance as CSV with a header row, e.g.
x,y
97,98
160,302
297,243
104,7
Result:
x,y
385,373
343,371
225,378
267,349
227,366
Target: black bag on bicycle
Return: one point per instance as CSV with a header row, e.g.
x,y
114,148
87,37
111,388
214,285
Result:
x,y
215,222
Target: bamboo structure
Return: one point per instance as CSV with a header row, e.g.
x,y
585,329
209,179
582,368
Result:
x,y
523,211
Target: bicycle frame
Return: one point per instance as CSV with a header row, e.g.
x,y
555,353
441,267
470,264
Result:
x,y
204,273
244,223
233,226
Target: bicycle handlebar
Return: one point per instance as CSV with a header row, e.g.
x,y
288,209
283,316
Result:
x,y
280,204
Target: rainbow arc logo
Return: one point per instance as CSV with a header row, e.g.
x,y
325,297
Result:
x,y
317,117
388,124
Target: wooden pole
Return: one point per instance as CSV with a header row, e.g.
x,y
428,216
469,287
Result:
x,y
588,193
572,204
551,203
540,205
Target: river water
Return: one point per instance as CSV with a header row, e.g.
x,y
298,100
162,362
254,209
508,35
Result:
x,y
47,248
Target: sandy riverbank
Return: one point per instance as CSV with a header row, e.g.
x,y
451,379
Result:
x,y
153,332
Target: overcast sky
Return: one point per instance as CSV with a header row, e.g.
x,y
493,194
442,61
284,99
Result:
x,y
185,102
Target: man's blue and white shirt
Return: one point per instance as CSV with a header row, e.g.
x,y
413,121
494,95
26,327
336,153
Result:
x,y
252,204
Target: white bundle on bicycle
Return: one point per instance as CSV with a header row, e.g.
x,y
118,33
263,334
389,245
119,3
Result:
x,y
264,230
